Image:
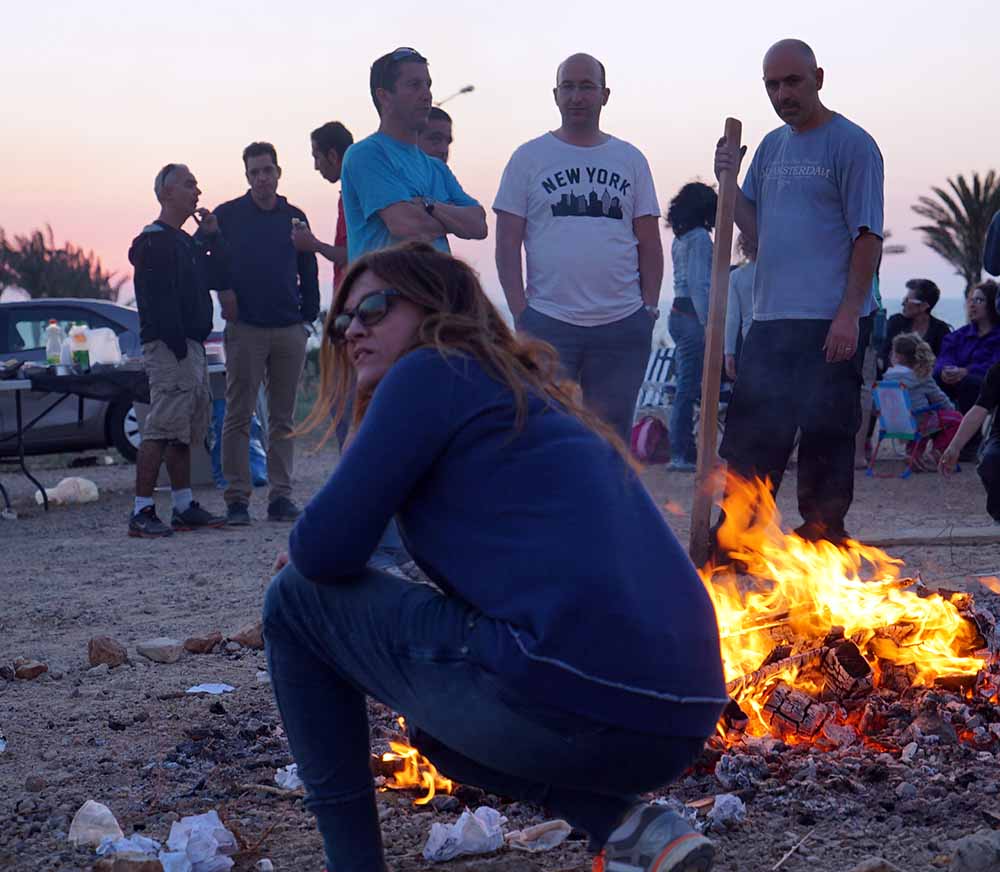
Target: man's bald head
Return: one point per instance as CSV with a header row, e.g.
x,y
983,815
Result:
x,y
600,76
796,46
793,82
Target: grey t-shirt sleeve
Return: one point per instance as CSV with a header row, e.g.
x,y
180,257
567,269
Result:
x,y
861,179
750,179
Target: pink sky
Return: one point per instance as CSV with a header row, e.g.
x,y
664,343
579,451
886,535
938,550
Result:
x,y
107,92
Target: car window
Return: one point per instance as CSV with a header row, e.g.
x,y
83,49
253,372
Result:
x,y
26,326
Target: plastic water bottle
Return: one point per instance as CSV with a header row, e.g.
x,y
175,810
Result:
x,y
78,344
53,342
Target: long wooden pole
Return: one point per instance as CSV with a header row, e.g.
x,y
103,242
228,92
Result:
x,y
705,480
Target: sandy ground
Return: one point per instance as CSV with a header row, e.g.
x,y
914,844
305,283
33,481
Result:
x,y
131,739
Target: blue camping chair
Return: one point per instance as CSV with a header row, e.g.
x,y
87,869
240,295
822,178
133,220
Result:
x,y
897,420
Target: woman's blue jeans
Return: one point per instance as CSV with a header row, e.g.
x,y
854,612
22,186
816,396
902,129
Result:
x,y
689,354
420,652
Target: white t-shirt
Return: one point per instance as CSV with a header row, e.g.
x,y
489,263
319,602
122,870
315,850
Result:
x,y
582,253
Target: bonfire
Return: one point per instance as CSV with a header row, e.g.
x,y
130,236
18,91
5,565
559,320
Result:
x,y
812,632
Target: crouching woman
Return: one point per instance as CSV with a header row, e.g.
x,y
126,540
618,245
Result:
x,y
570,655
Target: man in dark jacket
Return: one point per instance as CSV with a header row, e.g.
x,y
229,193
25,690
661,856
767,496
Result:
x,y
269,306
173,274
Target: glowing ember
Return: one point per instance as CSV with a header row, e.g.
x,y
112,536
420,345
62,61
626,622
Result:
x,y
801,590
416,772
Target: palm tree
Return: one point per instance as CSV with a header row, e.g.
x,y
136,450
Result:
x,y
35,263
959,221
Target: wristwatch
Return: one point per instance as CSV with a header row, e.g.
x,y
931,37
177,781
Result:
x,y
428,205
652,311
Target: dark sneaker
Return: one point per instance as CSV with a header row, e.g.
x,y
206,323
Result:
x,y
662,841
238,515
145,525
282,509
194,517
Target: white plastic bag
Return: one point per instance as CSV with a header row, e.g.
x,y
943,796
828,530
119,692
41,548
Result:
x,y
69,491
135,843
479,833
204,841
211,689
91,823
288,777
540,837
102,343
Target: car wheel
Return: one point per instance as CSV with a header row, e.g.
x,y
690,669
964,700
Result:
x,y
123,430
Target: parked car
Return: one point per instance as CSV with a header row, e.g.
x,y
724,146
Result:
x,y
104,424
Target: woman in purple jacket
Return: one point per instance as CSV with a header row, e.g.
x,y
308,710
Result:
x,y
967,353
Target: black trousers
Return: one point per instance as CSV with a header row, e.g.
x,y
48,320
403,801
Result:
x,y
989,473
784,385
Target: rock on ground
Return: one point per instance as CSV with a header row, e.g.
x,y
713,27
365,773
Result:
x,y
875,864
203,644
250,636
161,650
979,852
26,670
128,862
104,649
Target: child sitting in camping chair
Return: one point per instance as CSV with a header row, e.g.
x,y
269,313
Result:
x,y
912,407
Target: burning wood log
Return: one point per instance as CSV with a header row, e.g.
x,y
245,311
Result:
x,y
846,670
734,718
789,712
897,677
737,686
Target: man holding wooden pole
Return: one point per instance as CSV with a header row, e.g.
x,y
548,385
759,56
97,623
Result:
x,y
813,199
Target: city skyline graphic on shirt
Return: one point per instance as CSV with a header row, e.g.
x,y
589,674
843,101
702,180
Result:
x,y
572,206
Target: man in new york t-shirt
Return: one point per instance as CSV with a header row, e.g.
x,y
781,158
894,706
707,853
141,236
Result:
x,y
583,205
813,200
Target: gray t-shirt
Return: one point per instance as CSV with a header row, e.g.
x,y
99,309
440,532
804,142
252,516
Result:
x,y
814,193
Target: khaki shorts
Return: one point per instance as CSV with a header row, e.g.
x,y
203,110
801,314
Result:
x,y
180,397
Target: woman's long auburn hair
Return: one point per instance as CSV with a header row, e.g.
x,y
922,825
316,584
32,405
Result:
x,y
460,320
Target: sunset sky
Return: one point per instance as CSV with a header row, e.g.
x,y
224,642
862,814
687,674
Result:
x,y
101,94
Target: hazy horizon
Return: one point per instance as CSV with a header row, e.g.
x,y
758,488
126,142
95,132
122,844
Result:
x,y
116,91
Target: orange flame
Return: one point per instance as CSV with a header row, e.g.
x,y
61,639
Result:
x,y
802,589
417,771
991,583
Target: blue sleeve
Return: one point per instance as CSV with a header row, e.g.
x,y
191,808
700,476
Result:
x,y
455,195
699,272
991,254
861,179
374,179
406,426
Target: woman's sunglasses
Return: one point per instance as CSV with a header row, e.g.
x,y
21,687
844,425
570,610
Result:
x,y
369,312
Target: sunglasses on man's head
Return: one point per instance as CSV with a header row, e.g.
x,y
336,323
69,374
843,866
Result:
x,y
369,312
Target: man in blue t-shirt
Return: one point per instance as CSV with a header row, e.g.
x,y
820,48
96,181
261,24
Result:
x,y
813,200
392,190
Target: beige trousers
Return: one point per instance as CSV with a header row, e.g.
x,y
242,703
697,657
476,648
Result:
x,y
274,356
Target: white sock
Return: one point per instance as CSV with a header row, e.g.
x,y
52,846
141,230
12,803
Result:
x,y
627,826
142,503
182,498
